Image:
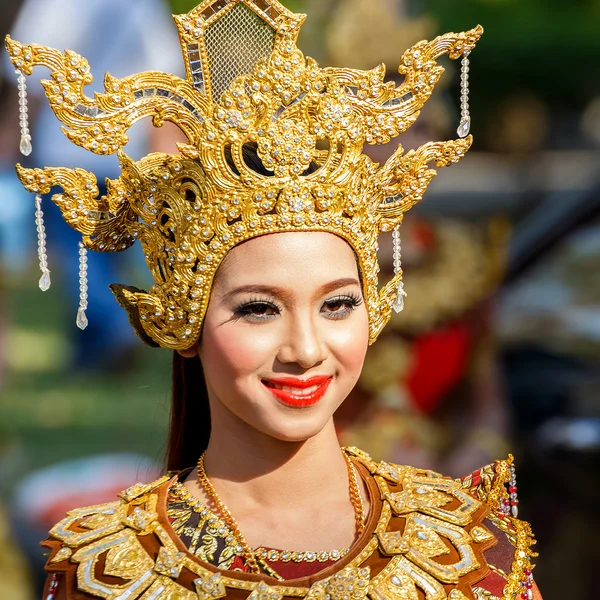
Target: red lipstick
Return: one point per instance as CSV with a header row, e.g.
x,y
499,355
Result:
x,y
298,393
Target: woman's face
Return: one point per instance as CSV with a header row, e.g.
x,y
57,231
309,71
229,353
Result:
x,y
285,334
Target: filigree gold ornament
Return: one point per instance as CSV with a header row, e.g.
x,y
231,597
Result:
x,y
306,124
350,583
210,588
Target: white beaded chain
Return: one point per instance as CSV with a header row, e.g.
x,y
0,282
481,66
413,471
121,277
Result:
x,y
398,305
82,321
42,256
465,115
25,146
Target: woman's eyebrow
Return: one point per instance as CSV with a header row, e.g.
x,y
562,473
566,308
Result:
x,y
255,289
338,283
283,293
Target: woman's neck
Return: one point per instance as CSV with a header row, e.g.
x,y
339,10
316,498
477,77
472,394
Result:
x,y
290,495
274,473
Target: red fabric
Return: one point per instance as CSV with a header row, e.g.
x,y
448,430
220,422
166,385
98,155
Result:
x,y
493,583
439,361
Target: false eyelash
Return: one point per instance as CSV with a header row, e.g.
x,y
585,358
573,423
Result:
x,y
243,309
353,299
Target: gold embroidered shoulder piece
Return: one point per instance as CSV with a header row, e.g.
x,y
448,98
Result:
x,y
496,485
427,537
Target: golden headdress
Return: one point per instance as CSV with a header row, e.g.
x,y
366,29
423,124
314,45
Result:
x,y
247,85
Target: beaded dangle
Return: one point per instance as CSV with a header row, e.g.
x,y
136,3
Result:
x,y
53,587
82,321
465,115
25,146
42,256
398,305
512,490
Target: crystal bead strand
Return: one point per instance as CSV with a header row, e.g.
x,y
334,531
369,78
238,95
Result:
x,y
465,115
25,145
512,489
398,305
82,321
42,256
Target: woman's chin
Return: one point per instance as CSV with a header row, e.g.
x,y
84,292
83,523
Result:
x,y
296,430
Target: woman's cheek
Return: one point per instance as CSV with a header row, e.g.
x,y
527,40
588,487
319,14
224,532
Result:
x,y
350,344
243,348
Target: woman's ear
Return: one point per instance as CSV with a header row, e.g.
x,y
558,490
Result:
x,y
189,352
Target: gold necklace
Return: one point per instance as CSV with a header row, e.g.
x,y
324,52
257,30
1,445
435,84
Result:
x,y
247,552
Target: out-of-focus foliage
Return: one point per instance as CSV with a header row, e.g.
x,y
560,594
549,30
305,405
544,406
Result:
x,y
550,46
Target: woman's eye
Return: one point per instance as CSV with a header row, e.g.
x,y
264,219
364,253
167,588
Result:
x,y
257,310
340,307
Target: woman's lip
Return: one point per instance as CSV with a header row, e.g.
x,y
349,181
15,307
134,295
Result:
x,y
300,400
301,384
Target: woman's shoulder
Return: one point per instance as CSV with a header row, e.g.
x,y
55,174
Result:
x,y
474,518
107,534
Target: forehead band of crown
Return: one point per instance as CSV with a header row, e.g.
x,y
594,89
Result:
x,y
306,124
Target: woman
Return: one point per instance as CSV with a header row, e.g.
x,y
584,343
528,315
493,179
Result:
x,y
261,236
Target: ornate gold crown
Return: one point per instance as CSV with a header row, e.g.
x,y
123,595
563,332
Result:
x,y
247,84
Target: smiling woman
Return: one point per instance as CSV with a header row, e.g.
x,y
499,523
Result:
x,y
262,238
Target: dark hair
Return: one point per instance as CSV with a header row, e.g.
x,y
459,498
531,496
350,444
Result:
x,y
189,429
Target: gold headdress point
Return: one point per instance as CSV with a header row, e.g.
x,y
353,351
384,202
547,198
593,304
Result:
x,y
247,86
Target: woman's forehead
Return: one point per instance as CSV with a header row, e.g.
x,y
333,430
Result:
x,y
290,255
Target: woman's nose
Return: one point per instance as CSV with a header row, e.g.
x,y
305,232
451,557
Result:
x,y
303,343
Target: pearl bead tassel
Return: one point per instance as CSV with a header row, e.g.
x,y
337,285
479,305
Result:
x,y
82,321
42,256
398,305
25,146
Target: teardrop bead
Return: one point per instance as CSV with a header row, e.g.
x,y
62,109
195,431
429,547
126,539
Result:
x,y
82,320
25,147
45,281
464,128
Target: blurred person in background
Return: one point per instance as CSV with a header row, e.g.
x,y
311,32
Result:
x,y
269,320
120,38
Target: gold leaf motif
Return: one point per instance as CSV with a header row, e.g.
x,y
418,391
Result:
x,y
456,595
422,538
431,495
128,560
98,521
63,554
138,573
401,579
481,534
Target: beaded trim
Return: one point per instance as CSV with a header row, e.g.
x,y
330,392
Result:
x,y
289,556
